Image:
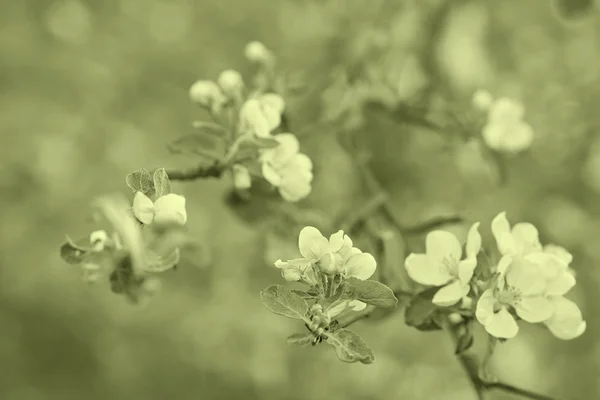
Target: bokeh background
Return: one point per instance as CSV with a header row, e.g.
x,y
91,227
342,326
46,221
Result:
x,y
90,91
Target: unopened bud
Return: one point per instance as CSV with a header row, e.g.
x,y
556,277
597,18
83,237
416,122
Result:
x,y
330,263
482,99
98,240
205,93
241,177
151,286
257,52
231,83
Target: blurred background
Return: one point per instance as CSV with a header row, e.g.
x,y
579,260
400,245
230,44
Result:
x,y
90,91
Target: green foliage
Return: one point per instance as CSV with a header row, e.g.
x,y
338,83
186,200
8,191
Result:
x,y
300,339
371,292
282,301
464,336
76,252
206,143
421,313
350,347
141,181
162,184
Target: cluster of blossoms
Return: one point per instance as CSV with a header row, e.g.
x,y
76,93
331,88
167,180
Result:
x,y
529,282
324,266
257,115
504,130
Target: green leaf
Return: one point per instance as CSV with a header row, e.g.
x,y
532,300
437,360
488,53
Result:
x,y
350,347
162,184
282,301
306,295
141,181
159,263
266,143
300,339
372,292
465,338
76,252
421,313
203,142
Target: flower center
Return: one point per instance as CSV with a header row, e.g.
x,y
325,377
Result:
x,y
509,296
450,264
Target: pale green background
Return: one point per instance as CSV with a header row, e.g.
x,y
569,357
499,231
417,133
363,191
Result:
x,y
92,90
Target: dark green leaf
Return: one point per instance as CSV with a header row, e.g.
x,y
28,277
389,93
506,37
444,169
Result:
x,y
282,301
141,181
162,184
421,313
75,252
372,292
300,339
350,347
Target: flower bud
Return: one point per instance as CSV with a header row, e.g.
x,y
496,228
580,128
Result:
x,y
331,264
170,209
241,177
205,93
482,99
257,52
98,240
231,83
151,286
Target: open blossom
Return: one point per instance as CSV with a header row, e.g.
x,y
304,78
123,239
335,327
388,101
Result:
x,y
552,263
166,209
520,287
287,169
505,129
441,265
261,115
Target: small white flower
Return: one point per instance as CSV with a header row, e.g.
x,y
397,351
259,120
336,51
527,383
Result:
x,y
287,169
520,286
505,129
206,93
261,115
441,265
231,83
257,52
241,177
166,209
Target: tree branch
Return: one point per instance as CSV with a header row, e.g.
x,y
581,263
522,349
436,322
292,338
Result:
x,y
214,170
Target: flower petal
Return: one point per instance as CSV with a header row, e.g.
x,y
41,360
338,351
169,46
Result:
x,y
534,309
561,284
443,244
311,243
361,266
143,208
485,306
526,237
170,209
451,294
520,137
505,110
241,177
473,240
357,305
336,241
560,252
293,191
466,268
493,135
424,270
502,234
525,276
502,325
567,322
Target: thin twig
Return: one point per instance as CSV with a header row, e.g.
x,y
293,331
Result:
x,y
214,170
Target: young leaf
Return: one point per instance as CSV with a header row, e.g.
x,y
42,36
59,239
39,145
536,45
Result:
x,y
158,263
201,143
162,184
75,252
282,301
465,338
300,339
306,295
372,292
421,312
140,181
350,347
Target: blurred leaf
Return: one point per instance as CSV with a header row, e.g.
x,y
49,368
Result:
x,y
434,223
76,252
465,338
162,184
300,339
266,143
123,279
421,313
371,292
350,347
141,181
160,263
205,142
280,300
